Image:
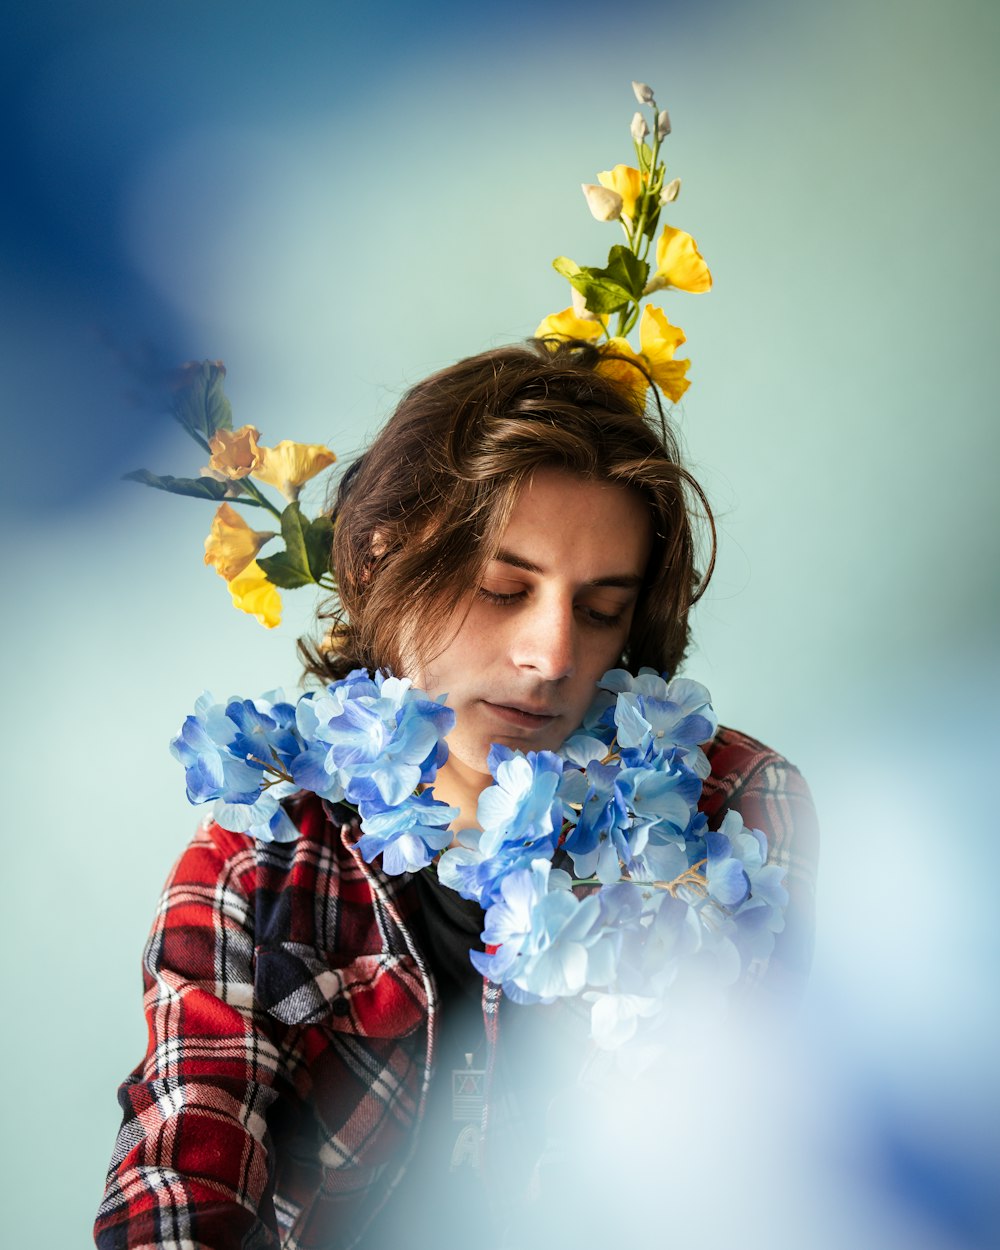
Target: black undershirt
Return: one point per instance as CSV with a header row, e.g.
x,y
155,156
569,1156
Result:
x,y
441,1200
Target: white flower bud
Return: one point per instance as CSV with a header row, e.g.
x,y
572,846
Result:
x,y
643,92
670,192
639,128
580,306
605,204
662,124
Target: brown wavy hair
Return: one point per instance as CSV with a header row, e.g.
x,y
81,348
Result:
x,y
419,515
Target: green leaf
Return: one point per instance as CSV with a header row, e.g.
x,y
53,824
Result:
x,y
289,568
307,550
200,405
626,270
601,296
568,268
319,537
199,487
611,289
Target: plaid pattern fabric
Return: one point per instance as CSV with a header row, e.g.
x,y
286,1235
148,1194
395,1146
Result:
x,y
292,1025
771,794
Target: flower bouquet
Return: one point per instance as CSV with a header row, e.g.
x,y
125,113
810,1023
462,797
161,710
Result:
x,y
597,873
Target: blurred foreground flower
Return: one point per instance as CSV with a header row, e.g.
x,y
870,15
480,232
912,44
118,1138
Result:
x,y
235,452
238,462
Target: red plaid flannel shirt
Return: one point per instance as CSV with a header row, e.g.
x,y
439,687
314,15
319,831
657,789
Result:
x,y
292,1026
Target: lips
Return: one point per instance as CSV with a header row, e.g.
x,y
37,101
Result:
x,y
522,716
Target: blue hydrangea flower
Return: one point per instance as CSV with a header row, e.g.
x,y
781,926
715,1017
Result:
x,y
210,768
652,712
520,817
760,915
391,739
549,942
618,811
407,835
232,755
521,806
264,819
370,739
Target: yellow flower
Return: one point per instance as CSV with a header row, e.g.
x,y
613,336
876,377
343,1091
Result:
x,y
231,543
235,453
616,355
658,340
288,466
624,181
567,325
679,264
254,594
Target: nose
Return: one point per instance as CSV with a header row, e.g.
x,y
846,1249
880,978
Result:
x,y
544,641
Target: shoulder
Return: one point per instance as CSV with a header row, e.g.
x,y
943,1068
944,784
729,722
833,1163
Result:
x,y
745,768
277,884
313,891
249,863
769,793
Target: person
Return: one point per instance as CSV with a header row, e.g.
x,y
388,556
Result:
x,y
519,526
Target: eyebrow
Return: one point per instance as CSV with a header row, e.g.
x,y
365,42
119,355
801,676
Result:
x,y
625,581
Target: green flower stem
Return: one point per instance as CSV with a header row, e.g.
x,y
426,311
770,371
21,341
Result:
x,y
637,240
202,443
262,500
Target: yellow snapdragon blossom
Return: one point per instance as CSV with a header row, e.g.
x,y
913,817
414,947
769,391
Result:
x,y
679,264
288,466
235,453
626,182
568,325
658,340
231,543
254,594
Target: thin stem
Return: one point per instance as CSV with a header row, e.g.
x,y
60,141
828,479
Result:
x,y
262,499
279,773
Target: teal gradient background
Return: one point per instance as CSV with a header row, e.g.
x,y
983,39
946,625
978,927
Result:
x,y
336,200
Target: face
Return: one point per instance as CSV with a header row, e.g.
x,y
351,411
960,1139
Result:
x,y
550,618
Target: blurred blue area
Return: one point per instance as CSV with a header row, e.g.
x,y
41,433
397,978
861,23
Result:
x,y
191,180
89,94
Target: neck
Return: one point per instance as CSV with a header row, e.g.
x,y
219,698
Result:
x,y
460,786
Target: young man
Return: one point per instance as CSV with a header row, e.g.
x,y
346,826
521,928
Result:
x,y
518,528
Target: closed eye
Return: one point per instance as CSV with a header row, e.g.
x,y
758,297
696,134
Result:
x,y
497,597
591,616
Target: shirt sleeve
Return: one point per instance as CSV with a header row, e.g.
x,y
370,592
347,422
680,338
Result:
x,y
191,1167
